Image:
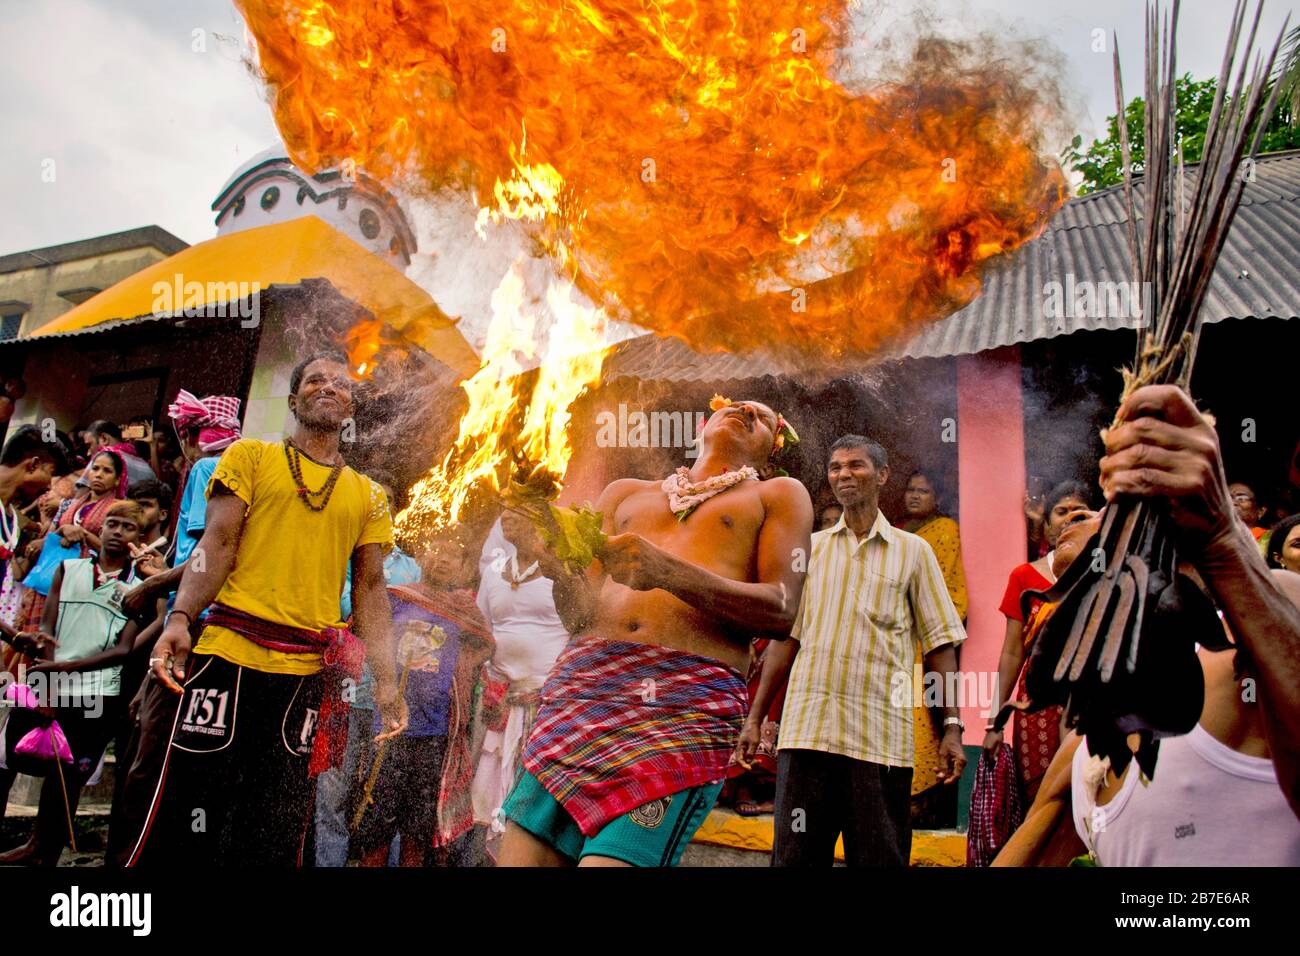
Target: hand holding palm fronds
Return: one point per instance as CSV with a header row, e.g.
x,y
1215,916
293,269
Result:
x,y
1118,649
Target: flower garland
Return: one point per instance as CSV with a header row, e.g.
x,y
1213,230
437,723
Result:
x,y
684,496
10,530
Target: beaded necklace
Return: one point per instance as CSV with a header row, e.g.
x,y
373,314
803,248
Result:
x,y
305,494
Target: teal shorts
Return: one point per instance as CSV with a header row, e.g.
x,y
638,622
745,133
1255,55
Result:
x,y
654,834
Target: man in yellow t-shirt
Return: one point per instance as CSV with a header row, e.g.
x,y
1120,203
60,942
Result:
x,y
273,668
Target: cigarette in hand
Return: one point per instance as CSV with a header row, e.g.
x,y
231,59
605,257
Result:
x,y
141,552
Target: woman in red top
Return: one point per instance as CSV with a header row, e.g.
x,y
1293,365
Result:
x,y
78,521
1037,735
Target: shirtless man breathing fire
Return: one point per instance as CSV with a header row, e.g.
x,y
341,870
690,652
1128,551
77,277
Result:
x,y
642,710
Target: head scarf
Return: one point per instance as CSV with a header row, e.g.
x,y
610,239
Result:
x,y
117,453
216,417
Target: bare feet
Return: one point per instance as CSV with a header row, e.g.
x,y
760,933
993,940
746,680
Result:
x,y
26,855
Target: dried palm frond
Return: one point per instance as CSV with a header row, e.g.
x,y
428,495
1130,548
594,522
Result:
x,y
573,533
1119,649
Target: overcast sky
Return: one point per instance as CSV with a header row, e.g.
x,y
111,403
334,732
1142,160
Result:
x,y
143,129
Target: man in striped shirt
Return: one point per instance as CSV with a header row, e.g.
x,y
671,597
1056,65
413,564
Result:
x,y
874,593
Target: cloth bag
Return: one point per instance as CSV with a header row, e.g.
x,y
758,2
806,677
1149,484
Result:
x,y
996,806
53,553
31,749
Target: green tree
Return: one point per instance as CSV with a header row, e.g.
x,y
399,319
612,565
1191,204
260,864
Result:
x,y
1101,164
1287,74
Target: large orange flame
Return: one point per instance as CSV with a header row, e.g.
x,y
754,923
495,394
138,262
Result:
x,y
694,166
697,159
509,423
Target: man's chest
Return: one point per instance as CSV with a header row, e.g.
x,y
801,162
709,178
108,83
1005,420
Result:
x,y
318,503
860,592
726,522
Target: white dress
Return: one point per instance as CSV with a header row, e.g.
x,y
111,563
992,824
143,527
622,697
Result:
x,y
529,637
11,596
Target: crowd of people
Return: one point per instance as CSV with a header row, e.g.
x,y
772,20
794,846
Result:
x,y
280,684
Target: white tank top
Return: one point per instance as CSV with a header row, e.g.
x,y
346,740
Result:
x,y
1207,806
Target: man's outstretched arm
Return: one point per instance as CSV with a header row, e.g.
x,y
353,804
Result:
x,y
204,576
1047,837
373,623
139,597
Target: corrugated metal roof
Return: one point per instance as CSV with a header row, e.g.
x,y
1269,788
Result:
x,y
112,324
89,330
1256,275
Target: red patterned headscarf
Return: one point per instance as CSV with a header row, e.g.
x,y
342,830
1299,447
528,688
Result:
x,y
216,417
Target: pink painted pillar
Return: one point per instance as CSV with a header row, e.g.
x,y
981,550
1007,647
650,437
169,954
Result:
x,y
991,476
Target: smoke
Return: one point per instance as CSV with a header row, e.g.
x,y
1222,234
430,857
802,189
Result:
x,y
928,39
1067,397
461,261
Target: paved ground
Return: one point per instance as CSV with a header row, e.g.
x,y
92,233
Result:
x,y
726,839
92,832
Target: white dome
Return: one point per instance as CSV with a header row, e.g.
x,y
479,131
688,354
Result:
x,y
271,152
267,188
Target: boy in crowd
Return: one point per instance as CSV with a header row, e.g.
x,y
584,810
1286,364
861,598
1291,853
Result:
x,y
154,498
84,638
442,642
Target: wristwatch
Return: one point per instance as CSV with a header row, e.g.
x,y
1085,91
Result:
x,y
954,722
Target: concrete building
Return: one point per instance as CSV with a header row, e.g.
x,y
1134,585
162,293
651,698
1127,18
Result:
x,y
39,285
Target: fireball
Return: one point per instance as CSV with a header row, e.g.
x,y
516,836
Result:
x,y
696,167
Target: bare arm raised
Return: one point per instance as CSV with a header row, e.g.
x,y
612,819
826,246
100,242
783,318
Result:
x,y
1166,449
